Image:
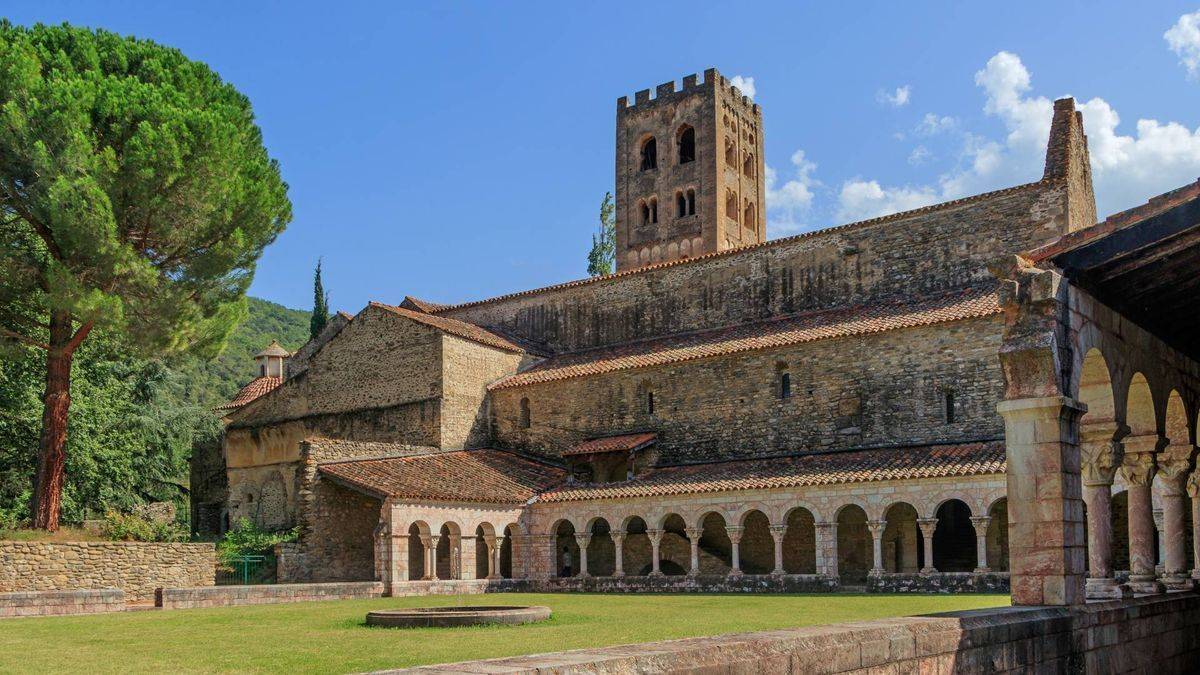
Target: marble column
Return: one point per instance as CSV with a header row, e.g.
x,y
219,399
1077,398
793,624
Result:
x,y
1173,468
735,540
928,526
693,535
1193,490
877,527
1045,501
431,553
827,562
583,540
980,523
778,532
1138,468
492,543
656,536
1101,452
618,537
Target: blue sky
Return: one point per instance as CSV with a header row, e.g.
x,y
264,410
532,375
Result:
x,y
457,151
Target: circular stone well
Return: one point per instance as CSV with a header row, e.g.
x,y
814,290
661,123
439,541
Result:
x,y
448,617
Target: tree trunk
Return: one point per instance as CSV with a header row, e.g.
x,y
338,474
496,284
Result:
x,y
52,456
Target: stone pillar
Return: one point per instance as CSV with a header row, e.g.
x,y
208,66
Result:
x,y
399,562
735,540
1138,469
1159,555
778,532
693,535
655,536
466,557
827,561
583,540
1193,490
877,527
1045,498
493,553
1173,469
928,527
980,523
618,537
431,552
1101,452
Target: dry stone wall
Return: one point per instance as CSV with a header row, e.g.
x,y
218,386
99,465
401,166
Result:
x,y
133,567
874,390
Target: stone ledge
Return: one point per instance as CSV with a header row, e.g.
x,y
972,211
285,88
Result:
x,y
58,603
226,596
942,582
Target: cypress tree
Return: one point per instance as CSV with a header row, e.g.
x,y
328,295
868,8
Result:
x,y
320,313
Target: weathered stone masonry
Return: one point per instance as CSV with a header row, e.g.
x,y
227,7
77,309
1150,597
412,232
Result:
x,y
133,567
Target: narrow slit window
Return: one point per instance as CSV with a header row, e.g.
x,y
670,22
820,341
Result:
x,y
524,413
649,154
949,402
687,145
785,385
680,205
649,403
691,202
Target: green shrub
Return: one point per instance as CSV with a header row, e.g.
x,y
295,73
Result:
x,y
246,538
131,527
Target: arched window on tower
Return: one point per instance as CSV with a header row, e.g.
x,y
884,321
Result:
x,y
731,205
749,217
691,202
644,208
653,209
680,205
524,413
686,141
785,380
649,154
748,164
730,152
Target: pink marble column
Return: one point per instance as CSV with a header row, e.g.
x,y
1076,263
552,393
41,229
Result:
x,y
735,540
1138,468
431,544
876,527
827,563
1101,452
980,523
693,535
1174,464
1193,490
928,527
583,540
778,532
618,537
655,536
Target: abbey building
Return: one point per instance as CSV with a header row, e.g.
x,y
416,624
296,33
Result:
x,y
813,411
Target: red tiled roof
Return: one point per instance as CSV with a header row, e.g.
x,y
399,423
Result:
x,y
1117,221
799,471
462,329
256,387
626,443
419,305
484,476
754,247
767,334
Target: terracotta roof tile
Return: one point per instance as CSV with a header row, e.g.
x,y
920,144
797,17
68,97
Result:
x,y
625,443
419,305
767,334
941,461
754,247
255,388
462,329
274,349
483,476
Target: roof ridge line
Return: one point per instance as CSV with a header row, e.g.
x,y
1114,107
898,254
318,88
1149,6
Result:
x,y
765,244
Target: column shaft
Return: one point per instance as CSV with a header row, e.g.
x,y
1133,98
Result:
x,y
928,527
778,532
655,540
618,538
980,523
1138,468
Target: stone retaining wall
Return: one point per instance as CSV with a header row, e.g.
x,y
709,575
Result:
x,y
943,582
1159,634
134,567
225,596
56,603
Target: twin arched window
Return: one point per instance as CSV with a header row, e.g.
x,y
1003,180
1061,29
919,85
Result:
x,y
685,203
649,211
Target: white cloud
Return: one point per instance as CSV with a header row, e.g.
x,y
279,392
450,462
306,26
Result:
x,y
896,99
1127,169
932,124
744,84
789,204
919,155
1184,39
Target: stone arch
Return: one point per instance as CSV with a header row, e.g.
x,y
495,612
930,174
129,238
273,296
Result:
x,y
565,554
853,543
449,551
685,248
672,251
484,532
637,551
685,144
800,541
997,535
757,547
644,255
903,544
418,534
649,153
1176,424
601,552
674,552
716,549
506,551
954,546
631,258
1139,407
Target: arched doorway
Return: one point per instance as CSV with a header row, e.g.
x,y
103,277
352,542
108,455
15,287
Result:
x,y
903,545
800,542
954,545
506,552
449,552
756,550
997,536
601,552
675,549
636,551
853,544
716,550
482,553
417,533
566,550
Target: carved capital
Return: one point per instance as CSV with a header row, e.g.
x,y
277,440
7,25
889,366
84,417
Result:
x,y
693,533
778,531
583,540
1099,461
1174,469
981,523
1193,485
617,535
655,535
927,525
1137,468
876,527
734,532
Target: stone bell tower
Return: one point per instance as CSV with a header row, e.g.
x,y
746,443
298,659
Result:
x,y
689,172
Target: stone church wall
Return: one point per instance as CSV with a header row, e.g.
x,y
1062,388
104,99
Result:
x,y
902,256
882,389
467,368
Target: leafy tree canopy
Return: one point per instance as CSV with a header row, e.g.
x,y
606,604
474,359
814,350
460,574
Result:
x,y
602,258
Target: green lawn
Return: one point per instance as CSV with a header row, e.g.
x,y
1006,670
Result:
x,y
331,636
